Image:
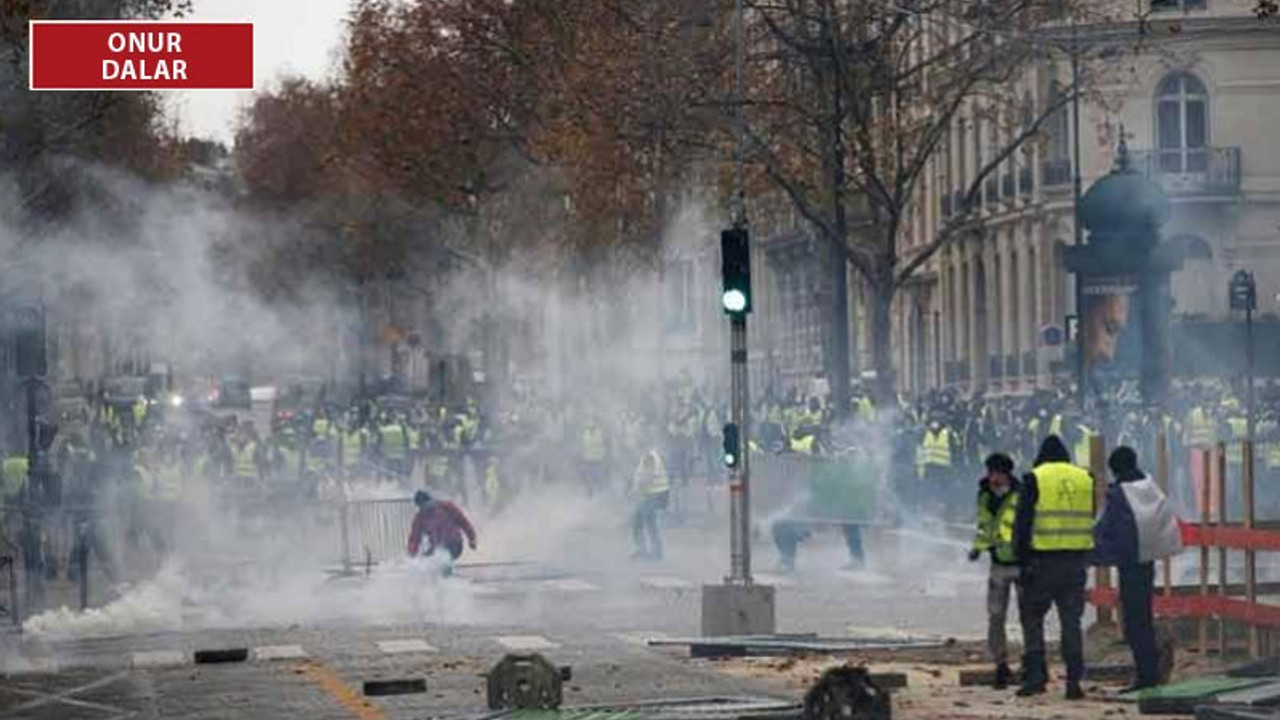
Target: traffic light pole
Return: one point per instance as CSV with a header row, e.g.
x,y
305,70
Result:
x,y
740,473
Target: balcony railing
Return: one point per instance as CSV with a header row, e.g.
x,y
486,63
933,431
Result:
x,y
1055,172
1205,172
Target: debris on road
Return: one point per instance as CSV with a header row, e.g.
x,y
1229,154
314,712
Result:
x,y
381,688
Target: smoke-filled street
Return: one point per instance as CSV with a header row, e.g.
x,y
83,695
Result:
x,y
639,359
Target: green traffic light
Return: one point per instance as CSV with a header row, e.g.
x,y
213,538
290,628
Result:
x,y
734,300
730,460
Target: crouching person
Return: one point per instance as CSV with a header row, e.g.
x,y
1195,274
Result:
x,y
997,506
1137,528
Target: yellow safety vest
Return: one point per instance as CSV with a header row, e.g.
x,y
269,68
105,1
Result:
x,y
246,464
1064,509
995,529
1083,459
1055,425
653,474
352,444
1239,432
593,449
803,445
1200,430
13,472
393,442
935,448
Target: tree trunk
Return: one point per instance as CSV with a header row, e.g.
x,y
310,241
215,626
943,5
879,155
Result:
x,y
837,351
881,302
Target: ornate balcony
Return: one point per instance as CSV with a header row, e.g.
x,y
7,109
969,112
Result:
x,y
1200,172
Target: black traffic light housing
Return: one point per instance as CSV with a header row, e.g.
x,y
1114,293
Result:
x,y
735,270
732,446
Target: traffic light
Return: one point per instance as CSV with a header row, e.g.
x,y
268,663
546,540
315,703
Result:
x,y
735,270
732,446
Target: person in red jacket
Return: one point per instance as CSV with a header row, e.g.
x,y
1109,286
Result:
x,y
444,525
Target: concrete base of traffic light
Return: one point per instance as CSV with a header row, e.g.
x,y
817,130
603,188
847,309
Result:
x,y
729,610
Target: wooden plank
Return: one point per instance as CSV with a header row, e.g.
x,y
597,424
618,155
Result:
x,y
1250,557
1206,482
1221,487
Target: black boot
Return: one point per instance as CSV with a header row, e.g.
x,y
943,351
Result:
x,y
1074,691
1003,677
1034,677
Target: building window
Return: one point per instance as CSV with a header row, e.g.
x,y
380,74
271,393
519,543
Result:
x,y
1182,124
1178,5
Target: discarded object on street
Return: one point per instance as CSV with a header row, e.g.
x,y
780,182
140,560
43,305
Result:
x,y
1263,668
846,693
1184,697
212,657
525,682
1235,712
1096,673
1259,696
379,688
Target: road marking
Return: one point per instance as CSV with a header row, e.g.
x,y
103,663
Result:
x,y
525,642
279,652
160,658
640,638
775,580
573,585
397,647
342,693
665,582
65,697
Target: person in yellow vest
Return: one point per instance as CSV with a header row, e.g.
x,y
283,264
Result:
x,y
351,447
593,454
1200,432
246,457
393,447
1053,538
935,460
653,490
804,442
997,506
13,477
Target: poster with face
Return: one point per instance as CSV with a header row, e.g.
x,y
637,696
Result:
x,y
1112,347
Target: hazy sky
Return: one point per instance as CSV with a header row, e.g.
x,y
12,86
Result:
x,y
289,36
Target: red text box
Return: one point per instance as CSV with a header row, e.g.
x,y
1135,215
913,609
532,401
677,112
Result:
x,y
140,55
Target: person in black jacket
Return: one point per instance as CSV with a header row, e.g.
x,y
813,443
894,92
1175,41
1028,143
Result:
x,y
1133,531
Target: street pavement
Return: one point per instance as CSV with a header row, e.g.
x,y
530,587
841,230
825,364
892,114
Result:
x,y
582,604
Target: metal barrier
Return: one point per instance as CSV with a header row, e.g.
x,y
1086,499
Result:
x,y
373,530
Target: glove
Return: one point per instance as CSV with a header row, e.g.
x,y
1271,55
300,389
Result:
x,y
974,555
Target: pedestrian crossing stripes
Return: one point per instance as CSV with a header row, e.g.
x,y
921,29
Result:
x,y
640,638
525,642
399,647
279,652
572,585
66,659
665,582
159,658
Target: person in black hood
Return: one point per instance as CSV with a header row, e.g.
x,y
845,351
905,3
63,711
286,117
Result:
x,y
1053,538
1136,529
997,505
